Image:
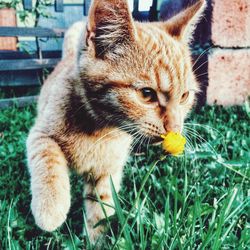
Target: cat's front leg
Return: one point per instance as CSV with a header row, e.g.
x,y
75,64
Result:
x,y
49,181
94,210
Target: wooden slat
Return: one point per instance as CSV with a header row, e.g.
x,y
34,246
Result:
x,y
59,5
5,55
27,4
20,78
37,32
25,64
18,102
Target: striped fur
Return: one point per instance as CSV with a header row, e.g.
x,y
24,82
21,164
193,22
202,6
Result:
x,y
92,106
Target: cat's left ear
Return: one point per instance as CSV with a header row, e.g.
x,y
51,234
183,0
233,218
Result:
x,y
183,24
110,28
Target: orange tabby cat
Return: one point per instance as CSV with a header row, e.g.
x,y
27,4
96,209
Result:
x,y
119,80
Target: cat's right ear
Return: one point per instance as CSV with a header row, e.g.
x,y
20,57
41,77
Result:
x,y
182,25
110,28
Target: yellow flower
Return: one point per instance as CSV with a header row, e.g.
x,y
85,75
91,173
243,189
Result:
x,y
174,143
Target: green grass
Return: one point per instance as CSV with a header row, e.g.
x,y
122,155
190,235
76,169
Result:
x,y
200,201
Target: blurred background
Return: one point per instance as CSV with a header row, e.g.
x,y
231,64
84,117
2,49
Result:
x,y
31,35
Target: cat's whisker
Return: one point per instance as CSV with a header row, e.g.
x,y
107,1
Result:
x,y
203,74
195,132
189,143
145,139
202,140
202,64
193,148
205,126
134,143
206,51
140,140
137,139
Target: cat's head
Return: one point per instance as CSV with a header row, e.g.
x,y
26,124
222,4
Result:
x,y
139,74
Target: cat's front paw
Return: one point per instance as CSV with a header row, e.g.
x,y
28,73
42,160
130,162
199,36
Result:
x,y
97,235
50,211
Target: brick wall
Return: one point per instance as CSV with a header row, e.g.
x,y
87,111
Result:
x,y
229,61
8,18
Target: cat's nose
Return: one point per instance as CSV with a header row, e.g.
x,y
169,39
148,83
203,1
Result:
x,y
172,128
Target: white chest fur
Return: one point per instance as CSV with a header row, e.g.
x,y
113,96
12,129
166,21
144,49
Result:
x,y
102,153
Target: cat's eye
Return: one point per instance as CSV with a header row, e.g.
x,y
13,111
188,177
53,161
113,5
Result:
x,y
149,94
184,97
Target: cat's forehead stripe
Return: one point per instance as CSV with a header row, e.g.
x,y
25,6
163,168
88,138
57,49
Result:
x,y
145,77
162,78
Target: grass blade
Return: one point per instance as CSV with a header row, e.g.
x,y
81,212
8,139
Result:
x,y
120,215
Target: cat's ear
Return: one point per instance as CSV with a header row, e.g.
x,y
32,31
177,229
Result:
x,y
110,27
183,24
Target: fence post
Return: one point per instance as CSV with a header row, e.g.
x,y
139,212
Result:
x,y
136,7
59,6
153,13
27,4
86,7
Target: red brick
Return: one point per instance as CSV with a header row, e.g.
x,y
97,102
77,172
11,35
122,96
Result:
x,y
8,18
229,76
231,23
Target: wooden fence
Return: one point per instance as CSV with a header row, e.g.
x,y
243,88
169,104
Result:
x,y
18,69
25,69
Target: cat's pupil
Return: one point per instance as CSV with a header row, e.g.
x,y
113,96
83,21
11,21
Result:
x,y
149,94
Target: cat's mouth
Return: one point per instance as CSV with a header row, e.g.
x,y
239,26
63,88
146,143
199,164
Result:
x,y
156,140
